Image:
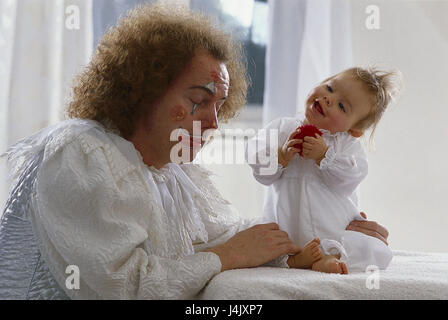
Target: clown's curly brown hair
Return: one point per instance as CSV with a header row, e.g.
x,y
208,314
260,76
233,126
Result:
x,y
137,60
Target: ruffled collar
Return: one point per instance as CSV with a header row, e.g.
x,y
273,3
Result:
x,y
182,202
175,237
334,135
301,118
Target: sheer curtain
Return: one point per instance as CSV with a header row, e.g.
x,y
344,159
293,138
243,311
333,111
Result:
x,y
308,41
107,12
43,44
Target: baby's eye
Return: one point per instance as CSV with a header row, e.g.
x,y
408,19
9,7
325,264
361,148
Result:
x,y
329,88
341,106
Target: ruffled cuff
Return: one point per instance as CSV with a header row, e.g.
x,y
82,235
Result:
x,y
212,260
267,172
269,176
280,168
329,158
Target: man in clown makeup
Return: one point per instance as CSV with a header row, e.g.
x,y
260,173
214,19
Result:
x,y
100,190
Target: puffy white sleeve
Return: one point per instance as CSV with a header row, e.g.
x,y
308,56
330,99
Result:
x,y
220,232
262,150
223,220
344,166
83,220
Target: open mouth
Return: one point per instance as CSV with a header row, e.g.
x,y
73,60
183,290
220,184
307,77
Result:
x,y
317,107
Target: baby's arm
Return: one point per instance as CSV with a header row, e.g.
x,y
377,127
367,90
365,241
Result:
x,y
344,166
263,152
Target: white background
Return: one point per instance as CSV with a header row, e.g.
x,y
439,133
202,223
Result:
x,y
406,189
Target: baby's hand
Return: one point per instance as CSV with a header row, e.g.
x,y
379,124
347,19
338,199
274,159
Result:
x,y
287,151
314,148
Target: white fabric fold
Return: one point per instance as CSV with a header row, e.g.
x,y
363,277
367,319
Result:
x,y
134,232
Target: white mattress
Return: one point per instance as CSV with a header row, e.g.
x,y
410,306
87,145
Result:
x,y
411,275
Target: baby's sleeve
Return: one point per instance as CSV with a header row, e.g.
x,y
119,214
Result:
x,y
344,166
262,150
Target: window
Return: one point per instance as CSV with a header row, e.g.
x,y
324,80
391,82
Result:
x,y
247,21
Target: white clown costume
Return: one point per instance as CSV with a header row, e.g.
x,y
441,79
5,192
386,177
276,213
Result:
x,y
83,197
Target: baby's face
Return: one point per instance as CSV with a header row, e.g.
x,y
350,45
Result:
x,y
338,104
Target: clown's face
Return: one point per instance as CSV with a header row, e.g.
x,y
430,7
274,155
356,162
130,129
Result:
x,y
196,95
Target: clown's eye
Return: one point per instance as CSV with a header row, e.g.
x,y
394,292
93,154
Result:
x,y
329,88
341,106
196,103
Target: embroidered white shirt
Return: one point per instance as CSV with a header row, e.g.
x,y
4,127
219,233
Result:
x,y
134,232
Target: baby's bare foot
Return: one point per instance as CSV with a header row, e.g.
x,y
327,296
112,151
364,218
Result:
x,y
330,264
310,254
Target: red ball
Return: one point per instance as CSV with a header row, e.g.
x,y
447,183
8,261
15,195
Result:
x,y
307,130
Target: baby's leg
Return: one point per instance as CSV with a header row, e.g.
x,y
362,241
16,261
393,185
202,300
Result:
x,y
331,261
364,251
310,254
330,264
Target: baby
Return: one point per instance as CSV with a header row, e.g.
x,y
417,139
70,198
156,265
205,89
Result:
x,y
313,197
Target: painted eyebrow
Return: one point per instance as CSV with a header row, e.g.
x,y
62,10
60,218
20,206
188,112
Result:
x,y
210,92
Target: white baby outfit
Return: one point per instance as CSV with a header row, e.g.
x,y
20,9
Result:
x,y
309,201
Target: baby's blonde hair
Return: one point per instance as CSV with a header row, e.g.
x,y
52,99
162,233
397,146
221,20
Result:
x,y
385,87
